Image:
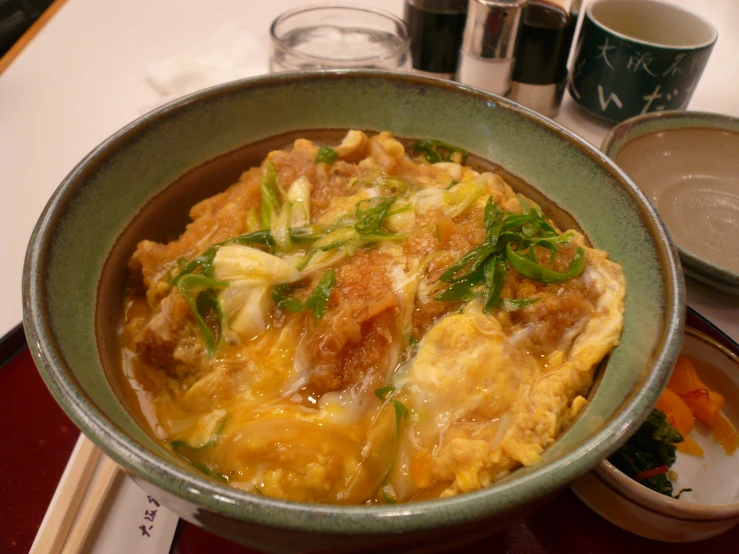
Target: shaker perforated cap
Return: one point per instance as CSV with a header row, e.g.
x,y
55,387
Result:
x,y
490,43
492,28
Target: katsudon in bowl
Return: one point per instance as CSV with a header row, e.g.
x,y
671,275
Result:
x,y
377,311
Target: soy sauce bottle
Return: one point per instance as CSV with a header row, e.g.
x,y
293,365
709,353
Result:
x,y
540,71
436,28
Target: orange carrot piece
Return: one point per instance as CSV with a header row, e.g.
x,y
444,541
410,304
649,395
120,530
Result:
x,y
726,435
689,446
422,465
702,401
677,411
684,377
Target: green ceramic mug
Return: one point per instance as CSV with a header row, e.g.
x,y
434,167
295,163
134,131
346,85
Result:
x,y
638,56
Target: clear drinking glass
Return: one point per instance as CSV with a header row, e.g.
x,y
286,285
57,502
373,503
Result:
x,y
334,36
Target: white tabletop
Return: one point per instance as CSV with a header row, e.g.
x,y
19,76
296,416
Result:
x,y
82,78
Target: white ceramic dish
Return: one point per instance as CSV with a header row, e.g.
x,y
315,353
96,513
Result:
x,y
713,505
687,164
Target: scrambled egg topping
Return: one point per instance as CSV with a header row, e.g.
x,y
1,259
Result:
x,y
366,324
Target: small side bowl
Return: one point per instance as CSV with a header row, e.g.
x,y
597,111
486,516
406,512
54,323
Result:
x,y
686,163
714,507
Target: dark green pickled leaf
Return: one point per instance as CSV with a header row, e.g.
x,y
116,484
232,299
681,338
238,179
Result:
x,y
652,446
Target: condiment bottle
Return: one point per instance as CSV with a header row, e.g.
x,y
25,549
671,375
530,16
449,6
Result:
x,y
540,71
490,43
435,28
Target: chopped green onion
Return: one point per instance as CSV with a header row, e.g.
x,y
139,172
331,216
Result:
x,y
399,210
508,237
280,228
326,155
252,220
468,264
336,238
384,392
537,272
263,237
209,472
318,299
370,213
191,287
458,292
495,274
307,233
392,185
285,302
205,260
270,202
513,305
180,444
308,257
401,412
387,497
429,149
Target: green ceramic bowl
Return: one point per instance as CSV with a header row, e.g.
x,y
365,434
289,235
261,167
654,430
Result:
x,y
686,163
75,273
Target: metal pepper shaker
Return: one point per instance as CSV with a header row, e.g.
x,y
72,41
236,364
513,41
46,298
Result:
x,y
490,44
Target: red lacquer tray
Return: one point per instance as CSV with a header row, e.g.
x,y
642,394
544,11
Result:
x,y
36,439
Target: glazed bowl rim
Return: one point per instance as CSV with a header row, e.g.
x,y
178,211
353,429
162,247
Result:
x,y
295,516
622,134
648,499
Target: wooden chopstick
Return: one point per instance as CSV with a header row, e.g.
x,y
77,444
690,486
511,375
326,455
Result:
x,y
66,501
83,524
65,527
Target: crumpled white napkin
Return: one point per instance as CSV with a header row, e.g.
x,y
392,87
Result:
x,y
231,53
